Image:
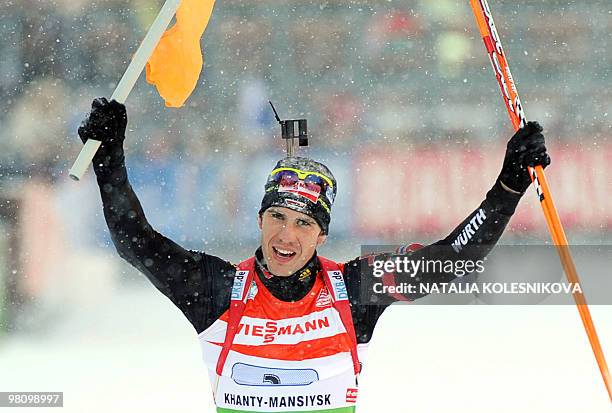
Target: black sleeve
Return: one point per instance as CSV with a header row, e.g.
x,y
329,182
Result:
x,y
473,239
364,316
481,230
193,281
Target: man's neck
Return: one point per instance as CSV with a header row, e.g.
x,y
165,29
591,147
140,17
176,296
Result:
x,y
293,287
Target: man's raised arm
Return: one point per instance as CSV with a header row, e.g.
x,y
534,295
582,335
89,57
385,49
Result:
x,y
483,227
179,274
474,238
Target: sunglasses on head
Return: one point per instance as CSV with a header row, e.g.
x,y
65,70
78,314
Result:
x,y
291,176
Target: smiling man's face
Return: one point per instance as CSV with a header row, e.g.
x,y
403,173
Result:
x,y
288,239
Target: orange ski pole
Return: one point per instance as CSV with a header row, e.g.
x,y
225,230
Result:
x,y
492,41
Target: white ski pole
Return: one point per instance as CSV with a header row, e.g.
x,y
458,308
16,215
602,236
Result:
x,y
126,84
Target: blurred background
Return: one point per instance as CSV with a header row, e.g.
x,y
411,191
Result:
x,y
403,107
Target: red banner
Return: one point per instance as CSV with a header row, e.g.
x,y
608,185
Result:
x,y
430,190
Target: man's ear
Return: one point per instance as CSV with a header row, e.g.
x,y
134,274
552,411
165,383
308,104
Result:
x,y
259,221
321,239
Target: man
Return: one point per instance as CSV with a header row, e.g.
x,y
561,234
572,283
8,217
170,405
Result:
x,y
286,329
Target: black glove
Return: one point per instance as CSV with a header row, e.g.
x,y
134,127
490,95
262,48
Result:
x,y
106,123
525,148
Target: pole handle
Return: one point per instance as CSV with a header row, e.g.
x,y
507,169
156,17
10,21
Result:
x,y
84,159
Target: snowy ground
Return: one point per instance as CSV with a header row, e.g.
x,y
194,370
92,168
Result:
x,y
132,351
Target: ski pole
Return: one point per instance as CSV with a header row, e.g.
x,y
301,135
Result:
x,y
126,84
492,41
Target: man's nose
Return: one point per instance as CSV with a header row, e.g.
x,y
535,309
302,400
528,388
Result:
x,y
287,233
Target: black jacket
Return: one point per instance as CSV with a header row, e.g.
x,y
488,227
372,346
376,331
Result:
x,y
199,284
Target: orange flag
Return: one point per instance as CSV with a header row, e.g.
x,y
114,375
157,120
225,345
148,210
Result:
x,y
176,63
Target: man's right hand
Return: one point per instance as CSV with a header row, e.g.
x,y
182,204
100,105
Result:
x,y
526,148
106,122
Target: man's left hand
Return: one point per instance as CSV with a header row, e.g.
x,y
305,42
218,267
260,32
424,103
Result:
x,y
525,148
